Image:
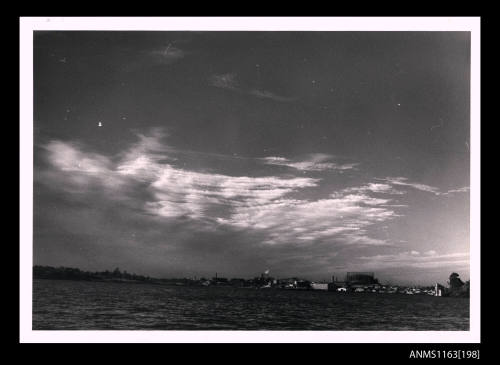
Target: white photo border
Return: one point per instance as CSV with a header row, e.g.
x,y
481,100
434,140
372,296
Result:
x,y
30,24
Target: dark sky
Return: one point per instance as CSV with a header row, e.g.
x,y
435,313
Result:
x,y
306,153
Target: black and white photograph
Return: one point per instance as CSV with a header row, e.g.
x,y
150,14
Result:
x,y
191,178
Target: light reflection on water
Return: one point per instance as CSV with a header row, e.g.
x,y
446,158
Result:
x,y
81,305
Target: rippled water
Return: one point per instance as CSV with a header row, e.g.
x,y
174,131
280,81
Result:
x,y
80,305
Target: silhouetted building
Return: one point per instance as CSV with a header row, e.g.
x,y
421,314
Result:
x,y
361,278
220,281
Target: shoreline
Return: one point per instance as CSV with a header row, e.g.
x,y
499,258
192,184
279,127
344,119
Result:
x,y
272,289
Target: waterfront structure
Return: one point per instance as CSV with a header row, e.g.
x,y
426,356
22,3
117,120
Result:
x,y
302,284
439,290
319,286
237,282
287,283
220,281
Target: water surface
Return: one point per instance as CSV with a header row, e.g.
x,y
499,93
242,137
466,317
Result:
x,y
83,305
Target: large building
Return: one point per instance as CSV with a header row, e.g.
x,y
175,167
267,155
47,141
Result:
x,y
363,278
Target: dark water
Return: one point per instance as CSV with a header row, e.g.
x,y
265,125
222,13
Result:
x,y
80,305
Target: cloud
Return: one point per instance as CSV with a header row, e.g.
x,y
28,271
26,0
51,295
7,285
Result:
x,y
164,55
375,188
264,94
79,169
464,189
315,162
146,177
224,81
229,81
167,54
339,220
403,181
181,192
428,260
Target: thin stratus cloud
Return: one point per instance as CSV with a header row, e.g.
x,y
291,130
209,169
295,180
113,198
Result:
x,y
168,52
426,260
375,188
464,189
403,181
266,94
229,81
314,162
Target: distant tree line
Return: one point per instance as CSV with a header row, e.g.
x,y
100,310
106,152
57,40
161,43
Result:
x,y
69,273
457,288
